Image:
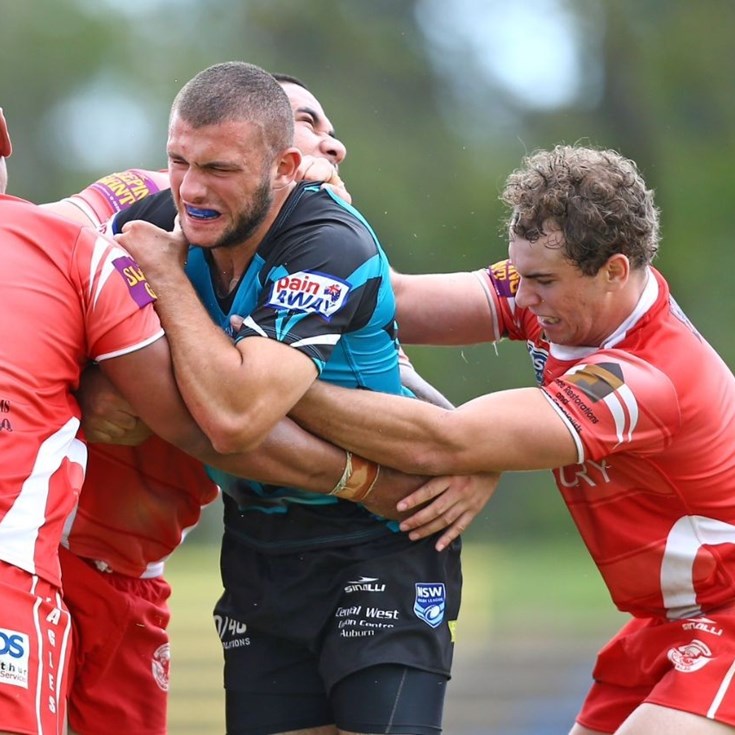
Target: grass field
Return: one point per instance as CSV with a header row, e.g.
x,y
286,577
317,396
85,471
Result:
x,y
544,592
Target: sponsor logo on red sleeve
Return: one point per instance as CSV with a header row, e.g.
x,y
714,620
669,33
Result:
x,y
505,279
139,288
124,188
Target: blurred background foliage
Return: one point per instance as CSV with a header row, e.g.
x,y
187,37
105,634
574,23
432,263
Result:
x,y
437,101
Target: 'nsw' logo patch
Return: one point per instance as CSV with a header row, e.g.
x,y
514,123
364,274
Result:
x,y
430,602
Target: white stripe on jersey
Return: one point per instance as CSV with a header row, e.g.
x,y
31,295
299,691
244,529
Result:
x,y
685,539
86,210
250,322
624,409
721,692
322,339
131,348
103,249
19,527
631,403
569,425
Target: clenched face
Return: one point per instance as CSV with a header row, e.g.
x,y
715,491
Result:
x,y
220,181
313,132
572,309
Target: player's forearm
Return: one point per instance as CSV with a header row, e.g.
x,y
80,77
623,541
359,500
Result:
x,y
208,368
288,456
388,429
292,457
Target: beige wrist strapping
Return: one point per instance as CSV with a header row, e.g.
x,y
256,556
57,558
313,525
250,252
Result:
x,y
358,479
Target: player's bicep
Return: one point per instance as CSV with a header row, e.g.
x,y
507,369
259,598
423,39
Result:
x,y
145,379
443,309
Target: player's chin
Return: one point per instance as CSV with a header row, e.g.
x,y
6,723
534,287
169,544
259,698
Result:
x,y
208,233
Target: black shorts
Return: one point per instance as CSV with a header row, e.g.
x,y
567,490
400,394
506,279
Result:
x,y
298,631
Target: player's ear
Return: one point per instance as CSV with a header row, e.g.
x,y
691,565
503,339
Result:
x,y
287,166
617,270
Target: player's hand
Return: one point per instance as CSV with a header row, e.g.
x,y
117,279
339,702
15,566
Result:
x,y
390,487
313,168
155,250
106,416
453,503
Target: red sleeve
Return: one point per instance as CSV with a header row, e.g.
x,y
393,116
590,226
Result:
x,y
117,299
115,192
616,402
501,285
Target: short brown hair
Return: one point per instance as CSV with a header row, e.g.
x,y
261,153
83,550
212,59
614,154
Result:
x,y
236,90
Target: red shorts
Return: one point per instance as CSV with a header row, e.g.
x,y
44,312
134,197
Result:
x,y
686,665
120,655
35,637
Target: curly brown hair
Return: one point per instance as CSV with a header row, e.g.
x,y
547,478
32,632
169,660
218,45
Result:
x,y
596,197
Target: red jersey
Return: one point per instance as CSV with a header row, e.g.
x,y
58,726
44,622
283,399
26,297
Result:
x,y
137,505
73,295
108,195
138,502
652,412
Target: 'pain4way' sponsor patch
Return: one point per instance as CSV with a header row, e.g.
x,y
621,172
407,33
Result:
x,y
309,292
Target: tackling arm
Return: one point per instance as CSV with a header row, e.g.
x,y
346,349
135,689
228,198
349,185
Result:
x,y
237,393
507,430
288,456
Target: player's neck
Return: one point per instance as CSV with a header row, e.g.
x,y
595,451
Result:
x,y
229,263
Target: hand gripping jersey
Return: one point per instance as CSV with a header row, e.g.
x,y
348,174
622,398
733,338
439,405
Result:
x,y
112,193
138,502
318,282
70,298
652,412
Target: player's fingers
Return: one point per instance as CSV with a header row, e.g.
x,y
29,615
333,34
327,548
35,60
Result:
x,y
425,493
453,532
340,191
428,514
431,520
98,437
236,322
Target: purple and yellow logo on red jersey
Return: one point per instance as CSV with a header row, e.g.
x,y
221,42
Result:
x,y
138,286
125,188
309,292
505,279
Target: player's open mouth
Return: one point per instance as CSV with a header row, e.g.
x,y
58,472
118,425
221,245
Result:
x,y
197,213
547,321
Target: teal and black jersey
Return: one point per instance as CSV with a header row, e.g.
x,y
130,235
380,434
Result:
x,y
319,282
